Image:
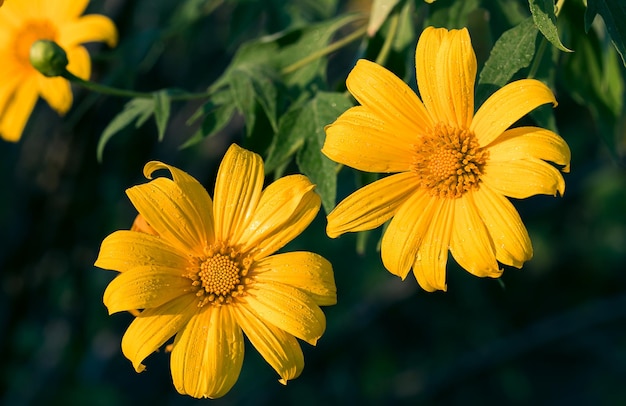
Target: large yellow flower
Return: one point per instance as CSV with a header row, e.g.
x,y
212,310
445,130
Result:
x,y
453,167
21,24
202,270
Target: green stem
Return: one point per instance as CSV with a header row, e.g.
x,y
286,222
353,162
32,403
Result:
x,y
325,51
394,22
112,91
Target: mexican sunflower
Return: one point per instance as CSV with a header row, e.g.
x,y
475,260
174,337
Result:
x,y
453,168
21,24
205,271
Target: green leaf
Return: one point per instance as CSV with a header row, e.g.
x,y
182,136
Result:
x,y
545,20
451,13
251,85
288,140
379,12
613,13
215,113
322,110
161,111
136,110
514,50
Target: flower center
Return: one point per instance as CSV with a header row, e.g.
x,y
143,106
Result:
x,y
449,161
219,276
30,32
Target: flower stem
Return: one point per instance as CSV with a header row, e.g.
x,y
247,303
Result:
x,y
112,91
324,51
394,22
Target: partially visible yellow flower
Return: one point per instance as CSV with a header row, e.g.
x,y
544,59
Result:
x,y
21,24
453,168
204,271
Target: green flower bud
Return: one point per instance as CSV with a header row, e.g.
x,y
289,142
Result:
x,y
48,58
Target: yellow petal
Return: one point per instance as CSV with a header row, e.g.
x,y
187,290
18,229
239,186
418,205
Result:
x,y
56,91
18,110
471,245
124,250
446,71
530,142
427,71
79,62
507,231
287,308
178,210
506,106
404,235
372,205
145,287
237,191
281,350
361,139
65,10
523,178
8,86
306,271
153,327
394,101
286,208
429,267
89,28
140,225
208,354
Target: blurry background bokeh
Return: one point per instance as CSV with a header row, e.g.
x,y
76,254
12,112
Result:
x,y
551,333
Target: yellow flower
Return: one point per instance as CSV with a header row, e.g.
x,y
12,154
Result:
x,y
202,270
21,24
453,168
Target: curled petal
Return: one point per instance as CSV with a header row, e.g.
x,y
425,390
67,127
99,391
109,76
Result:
x,y
471,245
237,191
430,263
507,231
153,327
208,353
372,205
145,287
507,105
405,234
280,349
178,210
394,101
306,271
286,208
79,62
523,178
287,308
533,143
362,139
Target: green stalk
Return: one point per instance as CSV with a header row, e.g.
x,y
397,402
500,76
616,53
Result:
x,y
394,23
112,91
324,51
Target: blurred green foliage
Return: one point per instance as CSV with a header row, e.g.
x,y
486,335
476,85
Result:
x,y
272,76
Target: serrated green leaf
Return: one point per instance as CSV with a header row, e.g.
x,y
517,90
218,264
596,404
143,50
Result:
x,y
161,111
545,20
136,110
322,110
514,50
613,13
378,14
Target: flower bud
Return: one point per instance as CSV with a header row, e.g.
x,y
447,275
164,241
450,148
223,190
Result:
x,y
48,58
